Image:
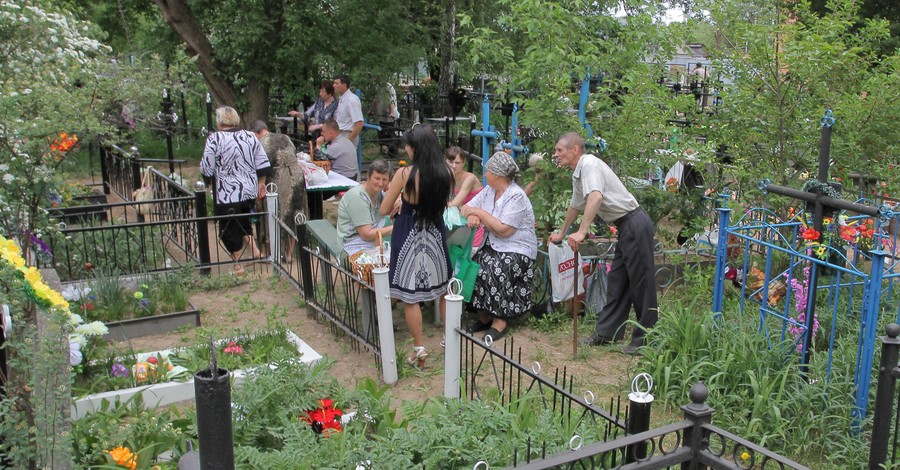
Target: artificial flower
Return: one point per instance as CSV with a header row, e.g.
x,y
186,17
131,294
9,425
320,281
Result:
x,y
119,370
75,355
233,348
124,456
810,234
64,142
325,418
94,328
138,295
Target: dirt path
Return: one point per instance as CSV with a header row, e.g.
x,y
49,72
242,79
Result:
x,y
264,297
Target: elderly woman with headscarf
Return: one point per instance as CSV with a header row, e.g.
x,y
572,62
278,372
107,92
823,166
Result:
x,y
503,288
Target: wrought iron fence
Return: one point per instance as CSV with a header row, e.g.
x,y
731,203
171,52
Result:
x,y
331,292
691,443
121,169
773,267
492,372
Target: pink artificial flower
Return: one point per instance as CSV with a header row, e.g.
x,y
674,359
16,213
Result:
x,y
233,348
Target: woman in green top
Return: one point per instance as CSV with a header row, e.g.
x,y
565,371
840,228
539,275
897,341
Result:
x,y
359,220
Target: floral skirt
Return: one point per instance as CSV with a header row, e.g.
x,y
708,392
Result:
x,y
503,288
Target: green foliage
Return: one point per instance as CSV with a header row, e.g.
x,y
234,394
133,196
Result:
x,y
146,432
771,118
756,385
550,322
115,249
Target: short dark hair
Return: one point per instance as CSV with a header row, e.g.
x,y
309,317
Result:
x,y
257,126
332,124
343,78
328,85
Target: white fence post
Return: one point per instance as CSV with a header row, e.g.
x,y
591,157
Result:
x,y
274,229
385,325
452,338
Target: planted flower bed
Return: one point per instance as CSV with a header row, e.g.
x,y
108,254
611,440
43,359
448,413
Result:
x,y
166,376
154,305
78,203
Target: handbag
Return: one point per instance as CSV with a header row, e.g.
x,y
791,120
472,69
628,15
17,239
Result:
x,y
464,268
144,193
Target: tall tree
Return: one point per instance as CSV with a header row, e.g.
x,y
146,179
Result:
x,y
243,49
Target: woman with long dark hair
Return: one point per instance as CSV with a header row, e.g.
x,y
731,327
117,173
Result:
x,y
420,264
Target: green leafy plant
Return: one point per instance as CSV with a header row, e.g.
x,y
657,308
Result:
x,y
147,431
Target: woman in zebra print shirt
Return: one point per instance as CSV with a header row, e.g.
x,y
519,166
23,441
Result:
x,y
237,161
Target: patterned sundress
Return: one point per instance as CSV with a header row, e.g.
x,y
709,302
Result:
x,y
420,263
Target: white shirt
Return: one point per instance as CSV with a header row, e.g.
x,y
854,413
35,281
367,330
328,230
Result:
x,y
513,209
592,174
349,111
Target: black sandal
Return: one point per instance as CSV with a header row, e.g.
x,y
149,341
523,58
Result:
x,y
479,326
494,334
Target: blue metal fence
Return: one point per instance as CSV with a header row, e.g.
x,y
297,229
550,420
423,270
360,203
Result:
x,y
771,264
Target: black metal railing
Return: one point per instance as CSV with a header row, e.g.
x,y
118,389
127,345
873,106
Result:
x,y
335,294
691,443
492,372
886,418
121,169
124,247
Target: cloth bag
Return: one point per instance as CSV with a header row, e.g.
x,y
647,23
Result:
x,y
596,285
144,193
463,267
562,271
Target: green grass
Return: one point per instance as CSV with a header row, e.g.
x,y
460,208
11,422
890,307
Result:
x,y
756,385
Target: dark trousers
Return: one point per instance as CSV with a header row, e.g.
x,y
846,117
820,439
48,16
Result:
x,y
632,280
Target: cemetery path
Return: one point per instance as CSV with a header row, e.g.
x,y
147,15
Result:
x,y
603,370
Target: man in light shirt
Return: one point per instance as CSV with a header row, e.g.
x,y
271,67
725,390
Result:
x,y
596,190
349,114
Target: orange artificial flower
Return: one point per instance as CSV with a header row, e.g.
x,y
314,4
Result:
x,y
124,457
64,142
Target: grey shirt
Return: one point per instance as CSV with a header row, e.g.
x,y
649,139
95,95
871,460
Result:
x,y
592,174
343,155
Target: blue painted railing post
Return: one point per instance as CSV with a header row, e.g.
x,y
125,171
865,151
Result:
x,y
868,334
721,257
487,133
582,104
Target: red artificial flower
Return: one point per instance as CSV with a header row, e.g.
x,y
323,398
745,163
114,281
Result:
x,y
849,233
233,348
325,420
810,234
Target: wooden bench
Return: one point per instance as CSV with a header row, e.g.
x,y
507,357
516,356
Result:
x,y
326,236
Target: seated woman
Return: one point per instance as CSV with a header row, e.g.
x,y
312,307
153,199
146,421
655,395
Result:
x,y
503,288
358,222
465,185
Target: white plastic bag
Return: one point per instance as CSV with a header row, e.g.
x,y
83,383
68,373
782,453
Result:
x,y
562,271
314,174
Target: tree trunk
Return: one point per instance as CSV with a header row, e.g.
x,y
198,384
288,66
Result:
x,y
258,95
178,15
448,58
